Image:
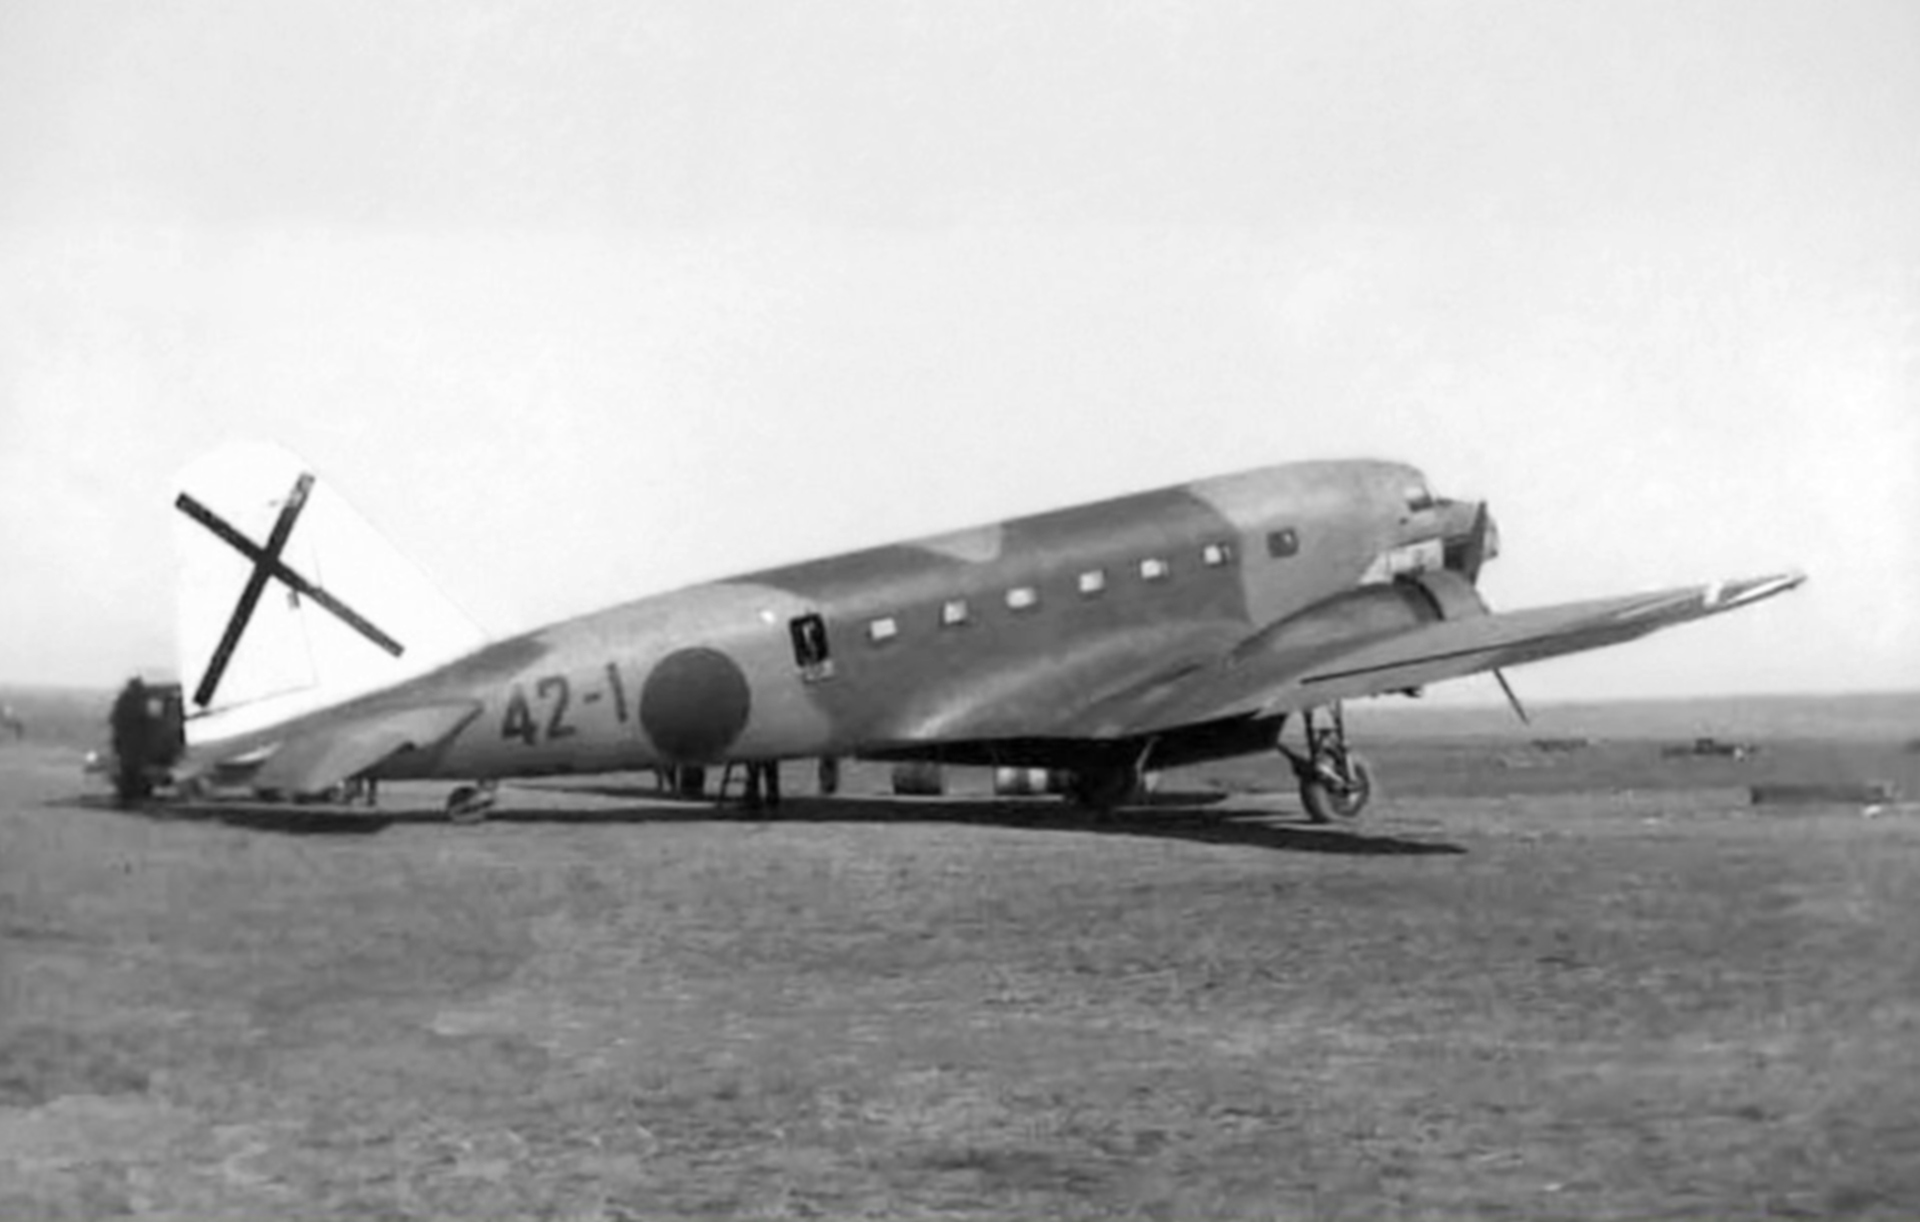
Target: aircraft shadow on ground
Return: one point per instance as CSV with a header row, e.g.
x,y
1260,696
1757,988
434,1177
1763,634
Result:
x,y
1191,817
1175,816
292,820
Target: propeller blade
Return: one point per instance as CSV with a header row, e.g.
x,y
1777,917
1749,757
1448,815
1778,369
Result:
x,y
1468,551
1519,710
1477,547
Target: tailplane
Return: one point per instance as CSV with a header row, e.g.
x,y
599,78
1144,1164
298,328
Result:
x,y
288,601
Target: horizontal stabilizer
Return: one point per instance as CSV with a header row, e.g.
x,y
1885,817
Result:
x,y
317,759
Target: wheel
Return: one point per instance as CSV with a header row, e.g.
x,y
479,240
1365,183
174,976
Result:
x,y
1330,803
1103,789
468,804
829,775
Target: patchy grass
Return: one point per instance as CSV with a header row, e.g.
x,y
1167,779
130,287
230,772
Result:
x,y
1558,1005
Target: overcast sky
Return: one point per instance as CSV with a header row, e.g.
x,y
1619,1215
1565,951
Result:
x,y
580,302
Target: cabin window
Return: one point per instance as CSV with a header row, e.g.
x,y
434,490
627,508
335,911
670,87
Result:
x,y
1419,498
953,613
1283,542
1092,582
1153,569
1213,555
1023,598
882,630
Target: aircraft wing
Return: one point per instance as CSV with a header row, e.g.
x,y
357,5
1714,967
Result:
x,y
1267,682
327,750
1091,672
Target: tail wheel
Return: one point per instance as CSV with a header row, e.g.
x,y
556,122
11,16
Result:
x,y
1337,789
469,804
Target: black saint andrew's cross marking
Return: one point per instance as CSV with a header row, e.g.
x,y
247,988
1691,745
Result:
x,y
266,565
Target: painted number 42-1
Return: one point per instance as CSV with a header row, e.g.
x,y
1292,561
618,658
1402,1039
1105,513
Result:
x,y
554,695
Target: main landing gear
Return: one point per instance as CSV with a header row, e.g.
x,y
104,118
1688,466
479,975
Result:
x,y
1335,782
1104,790
762,785
469,804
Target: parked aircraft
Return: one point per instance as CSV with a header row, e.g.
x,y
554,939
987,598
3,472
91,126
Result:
x,y
1169,627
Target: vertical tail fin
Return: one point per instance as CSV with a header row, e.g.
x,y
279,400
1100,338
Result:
x,y
288,601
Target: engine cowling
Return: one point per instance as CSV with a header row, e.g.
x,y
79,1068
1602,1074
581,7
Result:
x,y
1470,538
1370,612
1451,594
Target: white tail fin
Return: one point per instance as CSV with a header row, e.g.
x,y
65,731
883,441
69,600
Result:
x,y
288,601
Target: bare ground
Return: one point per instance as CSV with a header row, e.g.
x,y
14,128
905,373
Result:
x,y
1566,1000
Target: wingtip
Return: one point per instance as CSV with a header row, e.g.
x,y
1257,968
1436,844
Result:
x,y
1781,583
1725,595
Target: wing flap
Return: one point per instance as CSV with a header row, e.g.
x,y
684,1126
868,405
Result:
x,y
323,755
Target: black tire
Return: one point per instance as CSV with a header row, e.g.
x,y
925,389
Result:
x,y
464,806
829,776
1103,790
1327,805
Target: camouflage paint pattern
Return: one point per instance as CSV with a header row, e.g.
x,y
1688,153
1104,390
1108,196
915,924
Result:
x,y
709,673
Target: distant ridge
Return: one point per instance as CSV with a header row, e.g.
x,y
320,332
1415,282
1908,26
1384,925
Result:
x,y
1855,715
77,716
58,716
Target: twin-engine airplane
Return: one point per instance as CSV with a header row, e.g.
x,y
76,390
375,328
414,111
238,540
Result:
x,y
1146,632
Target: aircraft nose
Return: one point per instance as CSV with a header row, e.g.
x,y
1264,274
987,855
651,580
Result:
x,y
1471,536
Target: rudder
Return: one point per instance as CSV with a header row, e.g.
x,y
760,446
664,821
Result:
x,y
288,600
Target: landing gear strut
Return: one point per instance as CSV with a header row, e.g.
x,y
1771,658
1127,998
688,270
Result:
x,y
763,785
1335,783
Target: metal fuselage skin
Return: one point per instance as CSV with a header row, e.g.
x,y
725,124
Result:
x,y
956,639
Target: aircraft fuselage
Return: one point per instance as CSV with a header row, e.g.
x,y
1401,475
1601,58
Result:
x,y
952,638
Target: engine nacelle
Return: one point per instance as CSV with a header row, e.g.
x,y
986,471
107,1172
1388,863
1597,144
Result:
x,y
1451,594
1370,612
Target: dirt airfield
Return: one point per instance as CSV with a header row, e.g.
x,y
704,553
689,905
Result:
x,y
1584,982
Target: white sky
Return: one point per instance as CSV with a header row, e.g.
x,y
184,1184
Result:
x,y
586,301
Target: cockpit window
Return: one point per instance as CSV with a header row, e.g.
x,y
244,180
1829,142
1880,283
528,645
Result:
x,y
1419,498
